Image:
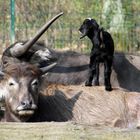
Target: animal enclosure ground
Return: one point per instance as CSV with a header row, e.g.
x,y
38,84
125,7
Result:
x,y
63,131
68,131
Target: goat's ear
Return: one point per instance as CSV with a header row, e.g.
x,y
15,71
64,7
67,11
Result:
x,y
94,23
44,70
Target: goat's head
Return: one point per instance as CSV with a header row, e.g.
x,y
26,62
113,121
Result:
x,y
87,26
19,89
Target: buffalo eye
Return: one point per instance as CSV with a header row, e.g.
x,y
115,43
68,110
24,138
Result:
x,y
11,84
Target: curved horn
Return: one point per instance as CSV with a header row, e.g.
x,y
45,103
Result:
x,y
47,68
17,51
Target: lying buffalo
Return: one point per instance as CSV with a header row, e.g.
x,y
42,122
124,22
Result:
x,y
27,99
72,67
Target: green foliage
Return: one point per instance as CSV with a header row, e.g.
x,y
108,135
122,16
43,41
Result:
x,y
121,18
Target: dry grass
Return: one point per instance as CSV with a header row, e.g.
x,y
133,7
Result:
x,y
63,131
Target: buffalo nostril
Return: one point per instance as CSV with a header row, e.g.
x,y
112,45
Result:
x,y
26,103
23,103
30,102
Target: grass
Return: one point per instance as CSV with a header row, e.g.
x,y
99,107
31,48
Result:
x,y
63,131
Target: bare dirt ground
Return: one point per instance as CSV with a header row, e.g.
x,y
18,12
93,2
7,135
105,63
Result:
x,y
72,69
63,131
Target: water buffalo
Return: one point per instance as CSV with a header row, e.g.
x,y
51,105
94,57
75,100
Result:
x,y
72,67
27,99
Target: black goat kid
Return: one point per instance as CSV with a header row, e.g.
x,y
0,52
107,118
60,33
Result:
x,y
102,51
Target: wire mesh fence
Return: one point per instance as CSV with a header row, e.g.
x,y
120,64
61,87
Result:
x,y
120,17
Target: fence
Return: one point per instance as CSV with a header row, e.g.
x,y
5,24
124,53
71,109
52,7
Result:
x,y
120,18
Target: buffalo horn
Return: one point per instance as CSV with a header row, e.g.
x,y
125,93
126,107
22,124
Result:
x,y
20,50
47,68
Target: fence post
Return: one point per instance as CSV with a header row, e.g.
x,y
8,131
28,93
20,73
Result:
x,y
12,23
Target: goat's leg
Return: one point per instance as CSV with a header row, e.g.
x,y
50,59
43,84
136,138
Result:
x,y
138,118
107,74
96,75
90,77
92,71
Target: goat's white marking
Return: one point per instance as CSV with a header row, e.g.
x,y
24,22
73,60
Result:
x,y
89,18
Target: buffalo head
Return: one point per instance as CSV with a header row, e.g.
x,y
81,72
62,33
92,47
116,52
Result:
x,y
21,51
19,89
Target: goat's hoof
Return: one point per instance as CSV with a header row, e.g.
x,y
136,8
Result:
x,y
96,83
88,84
138,126
108,88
